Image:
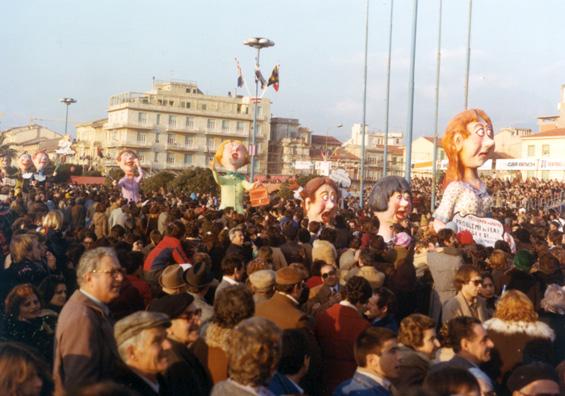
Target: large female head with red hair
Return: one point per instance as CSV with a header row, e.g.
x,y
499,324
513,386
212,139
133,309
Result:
x,y
468,142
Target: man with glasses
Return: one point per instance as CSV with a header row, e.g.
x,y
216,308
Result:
x,y
325,295
467,301
85,350
185,375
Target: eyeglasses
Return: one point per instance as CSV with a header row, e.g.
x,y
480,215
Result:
x,y
476,282
191,314
328,274
114,273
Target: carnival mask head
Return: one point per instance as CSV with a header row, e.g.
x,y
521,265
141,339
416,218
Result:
x,y
127,161
468,142
320,199
5,161
232,155
25,162
40,160
391,199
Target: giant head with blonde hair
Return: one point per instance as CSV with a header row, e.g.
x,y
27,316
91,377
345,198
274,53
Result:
x,y
232,155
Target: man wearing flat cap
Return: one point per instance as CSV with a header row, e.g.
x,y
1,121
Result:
x,y
262,284
185,375
143,346
284,310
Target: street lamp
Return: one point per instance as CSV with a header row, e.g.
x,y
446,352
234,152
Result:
x,y
257,43
68,102
364,123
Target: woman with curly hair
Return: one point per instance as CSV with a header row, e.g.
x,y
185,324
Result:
x,y
27,322
516,332
232,305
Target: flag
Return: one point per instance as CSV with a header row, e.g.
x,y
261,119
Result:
x,y
274,79
259,77
239,74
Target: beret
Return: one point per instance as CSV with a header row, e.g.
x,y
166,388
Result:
x,y
262,279
528,373
171,305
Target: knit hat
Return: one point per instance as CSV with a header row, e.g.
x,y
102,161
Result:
x,y
133,324
172,305
528,373
262,280
402,239
465,237
523,260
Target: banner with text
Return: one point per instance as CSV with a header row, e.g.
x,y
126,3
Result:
x,y
485,231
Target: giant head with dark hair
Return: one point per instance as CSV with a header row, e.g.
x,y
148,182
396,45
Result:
x,y
391,201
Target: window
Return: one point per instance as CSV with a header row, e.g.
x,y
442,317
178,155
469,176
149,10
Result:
x,y
158,121
531,150
211,124
225,125
189,122
188,105
172,121
140,137
171,138
141,118
188,141
155,157
141,157
156,137
240,126
188,159
545,150
170,158
203,106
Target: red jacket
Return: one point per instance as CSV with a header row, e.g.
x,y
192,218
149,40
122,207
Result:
x,y
337,329
178,254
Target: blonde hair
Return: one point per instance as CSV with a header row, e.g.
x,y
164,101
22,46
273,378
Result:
x,y
21,246
220,151
53,220
458,126
515,306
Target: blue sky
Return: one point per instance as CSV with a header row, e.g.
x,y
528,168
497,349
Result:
x,y
91,50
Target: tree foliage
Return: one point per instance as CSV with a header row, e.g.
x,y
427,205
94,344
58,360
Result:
x,y
157,181
198,180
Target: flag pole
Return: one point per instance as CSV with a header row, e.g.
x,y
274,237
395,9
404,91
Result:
x,y
387,106
363,124
436,115
408,164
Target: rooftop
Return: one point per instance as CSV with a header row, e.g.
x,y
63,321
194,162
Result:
x,y
557,133
323,139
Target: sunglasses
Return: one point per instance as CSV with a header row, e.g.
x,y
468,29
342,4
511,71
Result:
x,y
476,282
328,274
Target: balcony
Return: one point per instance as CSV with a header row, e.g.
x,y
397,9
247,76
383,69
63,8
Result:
x,y
126,124
184,147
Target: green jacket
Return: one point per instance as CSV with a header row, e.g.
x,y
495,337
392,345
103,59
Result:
x,y
232,186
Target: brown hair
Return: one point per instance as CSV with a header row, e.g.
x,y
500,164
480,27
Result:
x,y
498,259
18,365
464,274
412,327
220,151
515,306
310,188
17,296
370,341
21,246
254,351
458,126
119,156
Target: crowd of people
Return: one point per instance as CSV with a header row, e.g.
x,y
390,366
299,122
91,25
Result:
x,y
171,296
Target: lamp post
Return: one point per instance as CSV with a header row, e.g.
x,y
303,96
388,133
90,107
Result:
x,y
68,102
436,113
364,123
468,65
258,43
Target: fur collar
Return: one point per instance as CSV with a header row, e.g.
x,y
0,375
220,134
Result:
x,y
217,337
532,329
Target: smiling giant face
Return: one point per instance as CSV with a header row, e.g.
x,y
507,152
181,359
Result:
x,y
323,206
25,162
478,146
234,156
40,160
127,162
